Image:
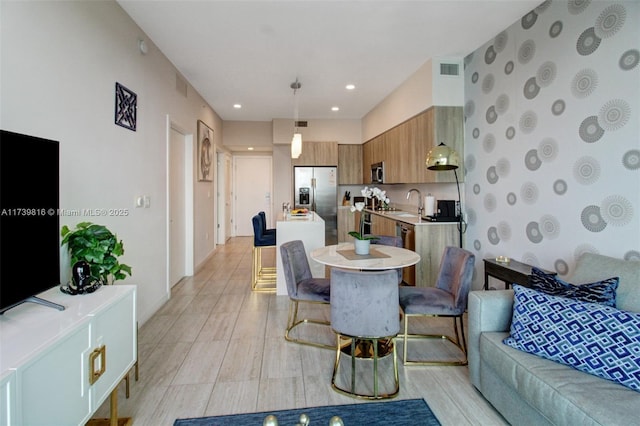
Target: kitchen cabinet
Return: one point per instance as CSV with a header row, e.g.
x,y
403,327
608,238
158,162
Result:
x,y
431,240
317,154
350,165
58,367
346,224
372,152
381,225
404,148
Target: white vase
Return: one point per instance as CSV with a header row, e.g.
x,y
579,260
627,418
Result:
x,y
362,246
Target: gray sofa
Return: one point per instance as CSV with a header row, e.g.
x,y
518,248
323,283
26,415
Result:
x,y
530,390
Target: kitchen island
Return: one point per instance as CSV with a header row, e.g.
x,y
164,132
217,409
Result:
x,y
310,230
426,238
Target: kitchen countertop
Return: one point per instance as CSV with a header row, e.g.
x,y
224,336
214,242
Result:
x,y
406,217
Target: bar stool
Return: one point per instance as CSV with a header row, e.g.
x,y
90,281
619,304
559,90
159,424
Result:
x,y
267,231
263,278
365,312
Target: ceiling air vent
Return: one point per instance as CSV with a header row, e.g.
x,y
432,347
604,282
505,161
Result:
x,y
448,69
300,124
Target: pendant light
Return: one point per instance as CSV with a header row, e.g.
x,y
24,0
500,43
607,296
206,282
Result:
x,y
296,141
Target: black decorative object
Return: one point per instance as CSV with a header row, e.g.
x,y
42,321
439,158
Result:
x,y
126,107
82,281
81,272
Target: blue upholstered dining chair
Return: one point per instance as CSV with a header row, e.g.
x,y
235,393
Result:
x,y
448,298
302,287
263,278
265,230
365,313
389,240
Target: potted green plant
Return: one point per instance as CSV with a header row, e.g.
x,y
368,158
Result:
x,y
99,247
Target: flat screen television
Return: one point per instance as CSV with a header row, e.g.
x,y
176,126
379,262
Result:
x,y
29,222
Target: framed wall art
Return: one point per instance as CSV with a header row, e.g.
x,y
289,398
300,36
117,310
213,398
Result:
x,y
205,155
126,107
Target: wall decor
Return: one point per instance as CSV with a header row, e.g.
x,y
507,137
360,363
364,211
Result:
x,y
551,136
205,144
126,107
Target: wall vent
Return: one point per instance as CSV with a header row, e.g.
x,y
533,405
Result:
x,y
300,123
181,85
448,69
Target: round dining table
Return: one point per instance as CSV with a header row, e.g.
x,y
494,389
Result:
x,y
380,257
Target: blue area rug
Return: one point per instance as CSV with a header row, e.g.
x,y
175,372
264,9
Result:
x,y
409,412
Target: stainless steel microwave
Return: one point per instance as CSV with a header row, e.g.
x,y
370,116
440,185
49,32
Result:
x,y
377,172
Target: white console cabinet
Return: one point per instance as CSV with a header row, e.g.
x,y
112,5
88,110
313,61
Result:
x,y
58,367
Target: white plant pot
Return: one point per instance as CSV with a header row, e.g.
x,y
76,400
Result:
x,y
362,246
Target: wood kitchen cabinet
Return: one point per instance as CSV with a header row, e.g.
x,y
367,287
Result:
x,y
317,154
381,225
431,240
346,223
404,148
350,165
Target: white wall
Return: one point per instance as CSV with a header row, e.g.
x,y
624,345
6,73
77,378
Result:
x,y
243,134
318,130
59,65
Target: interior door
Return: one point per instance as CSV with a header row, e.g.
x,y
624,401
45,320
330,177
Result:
x,y
253,181
228,193
177,216
224,193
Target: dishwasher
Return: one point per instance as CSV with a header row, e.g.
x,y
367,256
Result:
x,y
406,231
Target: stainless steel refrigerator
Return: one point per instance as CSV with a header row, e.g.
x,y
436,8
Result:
x,y
316,188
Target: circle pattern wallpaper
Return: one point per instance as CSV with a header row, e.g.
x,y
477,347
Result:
x,y
553,157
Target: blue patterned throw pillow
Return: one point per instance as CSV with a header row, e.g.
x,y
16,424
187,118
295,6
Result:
x,y
589,337
603,292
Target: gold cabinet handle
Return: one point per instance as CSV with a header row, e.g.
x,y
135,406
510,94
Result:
x,y
94,374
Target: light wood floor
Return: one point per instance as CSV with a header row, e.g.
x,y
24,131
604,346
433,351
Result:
x,y
217,348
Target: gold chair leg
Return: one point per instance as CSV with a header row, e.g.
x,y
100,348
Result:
x,y
293,322
459,343
262,278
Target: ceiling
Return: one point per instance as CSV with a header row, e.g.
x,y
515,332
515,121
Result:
x,y
249,52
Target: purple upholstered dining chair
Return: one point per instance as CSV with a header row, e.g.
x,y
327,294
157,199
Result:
x,y
302,287
365,312
447,299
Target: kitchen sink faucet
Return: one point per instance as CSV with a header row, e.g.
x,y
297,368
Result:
x,y
420,207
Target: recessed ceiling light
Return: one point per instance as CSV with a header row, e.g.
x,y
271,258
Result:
x,y
335,108
237,106
250,148
350,86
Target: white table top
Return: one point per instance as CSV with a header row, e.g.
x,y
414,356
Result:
x,y
398,257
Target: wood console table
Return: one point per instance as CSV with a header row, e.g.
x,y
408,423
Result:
x,y
511,272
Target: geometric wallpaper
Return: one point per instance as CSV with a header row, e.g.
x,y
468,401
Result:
x,y
552,137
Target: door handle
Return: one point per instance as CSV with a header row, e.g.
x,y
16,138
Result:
x,y
95,373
